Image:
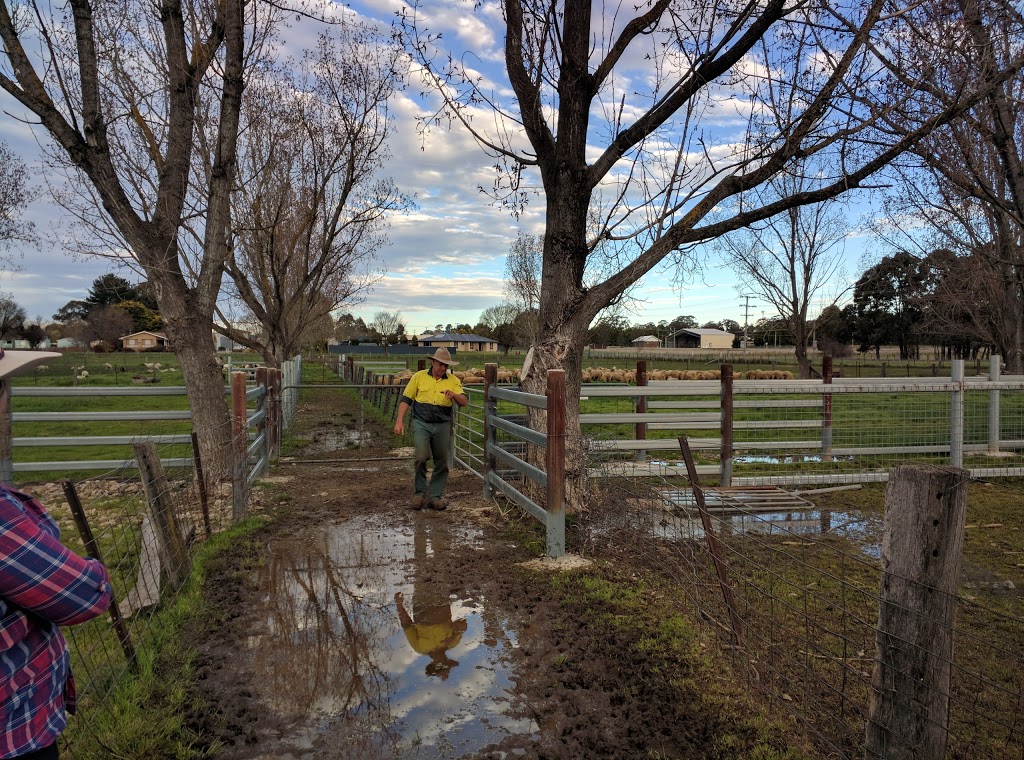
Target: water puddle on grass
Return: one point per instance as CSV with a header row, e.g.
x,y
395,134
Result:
x,y
362,654
863,531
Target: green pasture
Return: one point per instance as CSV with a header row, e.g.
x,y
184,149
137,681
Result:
x,y
859,420
104,370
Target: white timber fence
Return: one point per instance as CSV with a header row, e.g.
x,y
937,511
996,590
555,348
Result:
x,y
788,432
264,389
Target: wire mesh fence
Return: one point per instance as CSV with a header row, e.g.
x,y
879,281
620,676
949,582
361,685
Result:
x,y
143,530
805,588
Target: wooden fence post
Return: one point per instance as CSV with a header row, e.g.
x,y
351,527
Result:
x,y
92,548
555,462
173,554
240,447
274,411
204,499
725,465
641,408
956,415
995,364
6,456
922,542
826,410
490,408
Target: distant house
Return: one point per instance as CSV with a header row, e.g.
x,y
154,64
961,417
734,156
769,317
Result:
x,y
693,337
461,343
646,341
68,343
143,340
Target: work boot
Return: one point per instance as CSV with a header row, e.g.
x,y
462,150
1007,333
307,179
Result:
x,y
440,504
418,501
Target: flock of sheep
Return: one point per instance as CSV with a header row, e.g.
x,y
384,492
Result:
x,y
600,375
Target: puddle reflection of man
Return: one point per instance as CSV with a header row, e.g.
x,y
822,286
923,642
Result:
x,y
432,632
430,629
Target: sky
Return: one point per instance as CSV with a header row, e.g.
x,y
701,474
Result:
x,y
445,259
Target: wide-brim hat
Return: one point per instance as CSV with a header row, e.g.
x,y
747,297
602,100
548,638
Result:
x,y
444,357
13,362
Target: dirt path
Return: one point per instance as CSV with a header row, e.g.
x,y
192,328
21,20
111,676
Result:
x,y
353,627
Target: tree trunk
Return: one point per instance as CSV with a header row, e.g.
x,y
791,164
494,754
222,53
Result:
x,y
800,338
191,340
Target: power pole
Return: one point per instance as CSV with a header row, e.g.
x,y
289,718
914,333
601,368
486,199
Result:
x,y
746,318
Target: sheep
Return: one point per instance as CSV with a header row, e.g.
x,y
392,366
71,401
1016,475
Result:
x,y
84,373
108,365
43,367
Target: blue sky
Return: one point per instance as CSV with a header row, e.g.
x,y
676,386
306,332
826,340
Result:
x,y
445,260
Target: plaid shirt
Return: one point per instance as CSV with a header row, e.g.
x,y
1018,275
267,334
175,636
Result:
x,y
42,584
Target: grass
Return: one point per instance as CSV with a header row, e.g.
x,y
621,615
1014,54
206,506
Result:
x,y
628,616
145,715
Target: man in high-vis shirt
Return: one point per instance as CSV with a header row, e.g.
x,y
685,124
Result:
x,y
431,393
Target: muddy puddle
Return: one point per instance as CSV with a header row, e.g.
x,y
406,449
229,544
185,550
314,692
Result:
x,y
863,531
360,654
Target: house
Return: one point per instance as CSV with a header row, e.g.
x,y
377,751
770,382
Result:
x,y
144,340
646,341
694,337
461,343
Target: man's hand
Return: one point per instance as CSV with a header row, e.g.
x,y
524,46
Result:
x,y
400,426
448,394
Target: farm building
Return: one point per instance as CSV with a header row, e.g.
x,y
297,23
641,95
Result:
x,y
462,343
647,341
693,337
143,340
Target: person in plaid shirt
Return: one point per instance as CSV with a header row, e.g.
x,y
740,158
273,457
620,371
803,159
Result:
x,y
43,584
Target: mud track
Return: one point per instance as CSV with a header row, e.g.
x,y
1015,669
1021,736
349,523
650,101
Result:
x,y
308,654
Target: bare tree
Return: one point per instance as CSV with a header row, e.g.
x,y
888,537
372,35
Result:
x,y
126,91
789,260
962,190
611,109
108,324
387,325
310,211
12,317
523,266
15,195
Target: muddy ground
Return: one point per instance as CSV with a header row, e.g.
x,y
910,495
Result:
x,y
306,653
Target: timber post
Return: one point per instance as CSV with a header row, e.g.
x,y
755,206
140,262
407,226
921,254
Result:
x,y
6,455
555,462
956,415
725,465
995,363
173,554
641,408
490,409
826,409
922,543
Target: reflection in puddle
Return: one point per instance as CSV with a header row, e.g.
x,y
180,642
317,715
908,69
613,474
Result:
x,y
863,530
361,651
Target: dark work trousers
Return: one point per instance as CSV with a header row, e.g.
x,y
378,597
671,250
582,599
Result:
x,y
430,440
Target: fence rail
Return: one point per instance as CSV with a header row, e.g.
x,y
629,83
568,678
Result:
x,y
9,395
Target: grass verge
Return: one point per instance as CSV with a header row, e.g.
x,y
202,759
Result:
x,y
149,714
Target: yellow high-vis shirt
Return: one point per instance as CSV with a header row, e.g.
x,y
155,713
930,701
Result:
x,y
425,395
